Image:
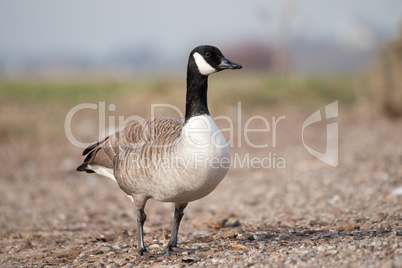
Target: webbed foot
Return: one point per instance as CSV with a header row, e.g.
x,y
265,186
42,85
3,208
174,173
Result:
x,y
177,250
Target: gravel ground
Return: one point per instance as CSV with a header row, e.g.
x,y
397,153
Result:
x,y
306,215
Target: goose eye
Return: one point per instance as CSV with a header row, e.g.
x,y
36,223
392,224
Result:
x,y
208,54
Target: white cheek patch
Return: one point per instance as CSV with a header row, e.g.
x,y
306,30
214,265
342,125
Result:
x,y
203,65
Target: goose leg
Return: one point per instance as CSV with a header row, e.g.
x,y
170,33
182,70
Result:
x,y
178,215
141,217
140,202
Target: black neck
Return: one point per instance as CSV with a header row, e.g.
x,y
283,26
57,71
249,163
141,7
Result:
x,y
196,98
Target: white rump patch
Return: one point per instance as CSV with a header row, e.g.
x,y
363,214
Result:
x,y
106,172
203,66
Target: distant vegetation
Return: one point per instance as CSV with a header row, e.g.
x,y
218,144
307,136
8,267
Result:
x,y
35,109
382,86
253,90
65,90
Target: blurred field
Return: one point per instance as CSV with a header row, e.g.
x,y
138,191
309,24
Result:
x,y
38,107
256,89
50,214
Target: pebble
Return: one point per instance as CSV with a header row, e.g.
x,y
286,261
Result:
x,y
190,258
333,252
80,260
347,226
105,249
154,246
227,234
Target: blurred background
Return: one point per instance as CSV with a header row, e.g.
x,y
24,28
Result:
x,y
134,40
287,36
297,57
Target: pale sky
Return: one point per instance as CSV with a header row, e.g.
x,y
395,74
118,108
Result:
x,y
98,28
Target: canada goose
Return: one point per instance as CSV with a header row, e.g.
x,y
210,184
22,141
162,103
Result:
x,y
167,159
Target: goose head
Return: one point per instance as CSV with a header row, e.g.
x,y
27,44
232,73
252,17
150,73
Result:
x,y
207,60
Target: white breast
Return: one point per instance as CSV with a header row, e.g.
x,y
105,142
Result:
x,y
201,132
202,160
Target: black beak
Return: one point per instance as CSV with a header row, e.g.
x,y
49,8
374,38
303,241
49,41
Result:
x,y
228,64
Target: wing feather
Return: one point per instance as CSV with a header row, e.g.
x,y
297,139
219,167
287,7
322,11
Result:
x,y
137,138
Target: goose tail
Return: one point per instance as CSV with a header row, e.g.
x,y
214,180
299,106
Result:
x,y
90,152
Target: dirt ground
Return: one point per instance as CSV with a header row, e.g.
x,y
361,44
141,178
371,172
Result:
x,y
307,214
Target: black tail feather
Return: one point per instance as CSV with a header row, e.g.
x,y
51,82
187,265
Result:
x,y
90,150
83,167
93,146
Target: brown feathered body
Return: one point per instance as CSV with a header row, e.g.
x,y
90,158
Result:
x,y
163,159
